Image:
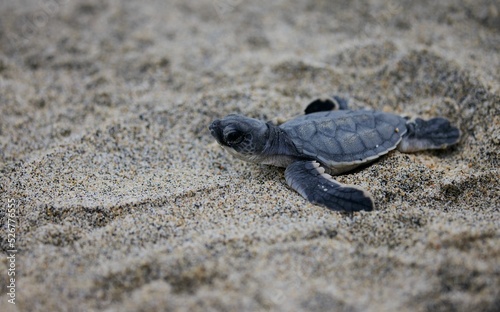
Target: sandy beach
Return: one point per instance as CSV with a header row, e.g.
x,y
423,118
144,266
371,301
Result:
x,y
117,198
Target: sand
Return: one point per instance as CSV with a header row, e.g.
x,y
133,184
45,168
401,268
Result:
x,y
124,202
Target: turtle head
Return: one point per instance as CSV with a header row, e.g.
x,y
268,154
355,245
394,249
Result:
x,y
243,137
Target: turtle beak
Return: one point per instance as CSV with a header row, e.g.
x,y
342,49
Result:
x,y
216,130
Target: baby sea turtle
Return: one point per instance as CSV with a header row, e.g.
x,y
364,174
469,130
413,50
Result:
x,y
322,143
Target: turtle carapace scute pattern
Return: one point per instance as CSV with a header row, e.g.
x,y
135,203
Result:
x,y
326,142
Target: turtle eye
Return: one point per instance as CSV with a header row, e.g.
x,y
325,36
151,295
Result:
x,y
234,137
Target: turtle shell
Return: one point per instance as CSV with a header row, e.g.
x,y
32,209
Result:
x,y
344,139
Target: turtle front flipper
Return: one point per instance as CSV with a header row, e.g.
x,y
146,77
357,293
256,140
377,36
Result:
x,y
324,105
308,178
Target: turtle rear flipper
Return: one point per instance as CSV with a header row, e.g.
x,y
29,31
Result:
x,y
310,181
435,133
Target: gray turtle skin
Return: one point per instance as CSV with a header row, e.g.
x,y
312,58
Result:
x,y
315,146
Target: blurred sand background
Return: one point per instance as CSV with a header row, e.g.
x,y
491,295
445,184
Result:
x,y
127,204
